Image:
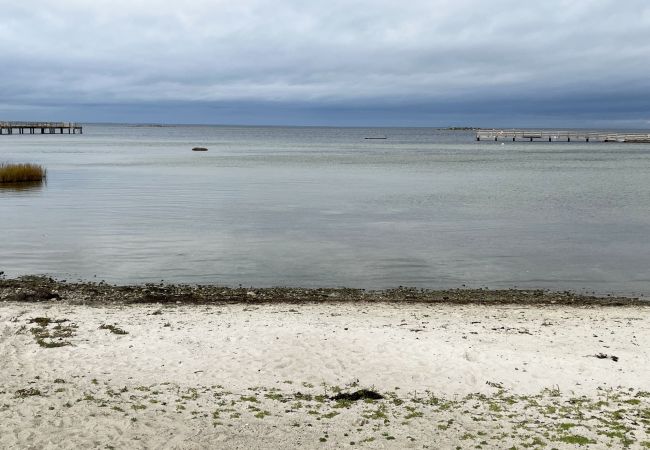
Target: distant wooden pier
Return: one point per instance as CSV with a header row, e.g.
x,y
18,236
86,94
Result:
x,y
560,136
40,128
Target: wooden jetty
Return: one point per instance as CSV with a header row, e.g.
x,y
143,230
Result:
x,y
40,128
560,136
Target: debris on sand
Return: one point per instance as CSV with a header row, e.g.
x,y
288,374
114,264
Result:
x,y
362,394
45,289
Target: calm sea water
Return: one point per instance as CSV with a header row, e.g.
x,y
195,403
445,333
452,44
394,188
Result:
x,y
326,207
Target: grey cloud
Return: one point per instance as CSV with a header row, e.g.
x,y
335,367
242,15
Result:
x,y
334,54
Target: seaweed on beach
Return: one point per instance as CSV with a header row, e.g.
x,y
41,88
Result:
x,y
29,392
361,394
54,336
113,329
41,289
33,294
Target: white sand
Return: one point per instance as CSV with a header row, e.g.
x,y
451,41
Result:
x,y
208,357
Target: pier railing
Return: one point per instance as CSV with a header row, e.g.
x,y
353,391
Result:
x,y
560,136
40,128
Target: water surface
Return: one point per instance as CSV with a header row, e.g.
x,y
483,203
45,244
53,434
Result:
x,y
326,207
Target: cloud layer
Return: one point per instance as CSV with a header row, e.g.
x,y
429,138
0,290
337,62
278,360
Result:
x,y
463,58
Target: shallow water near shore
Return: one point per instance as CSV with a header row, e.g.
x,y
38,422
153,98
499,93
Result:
x,y
313,207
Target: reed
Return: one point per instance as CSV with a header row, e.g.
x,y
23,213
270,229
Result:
x,y
18,173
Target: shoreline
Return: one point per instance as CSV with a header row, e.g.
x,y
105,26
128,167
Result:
x,y
42,288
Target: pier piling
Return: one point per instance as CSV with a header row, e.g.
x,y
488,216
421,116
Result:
x,y
569,136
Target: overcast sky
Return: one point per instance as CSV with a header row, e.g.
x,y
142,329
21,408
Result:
x,y
330,62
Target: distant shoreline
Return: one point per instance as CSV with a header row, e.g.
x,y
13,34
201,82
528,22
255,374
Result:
x,y
45,289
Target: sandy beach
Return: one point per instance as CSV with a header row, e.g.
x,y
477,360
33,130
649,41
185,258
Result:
x,y
315,225
266,374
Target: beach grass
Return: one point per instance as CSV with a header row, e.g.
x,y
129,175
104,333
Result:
x,y
18,173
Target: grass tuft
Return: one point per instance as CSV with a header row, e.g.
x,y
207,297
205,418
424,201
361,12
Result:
x,y
19,173
576,439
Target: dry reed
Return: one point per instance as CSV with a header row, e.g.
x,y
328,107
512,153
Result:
x,y
18,173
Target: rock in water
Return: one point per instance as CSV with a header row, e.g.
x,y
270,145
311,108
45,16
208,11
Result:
x,y
199,149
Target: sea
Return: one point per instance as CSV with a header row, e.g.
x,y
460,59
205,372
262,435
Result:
x,y
328,207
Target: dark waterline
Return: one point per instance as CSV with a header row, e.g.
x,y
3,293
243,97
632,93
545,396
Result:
x,y
326,207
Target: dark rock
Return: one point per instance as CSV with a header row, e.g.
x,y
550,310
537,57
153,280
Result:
x,y
199,149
